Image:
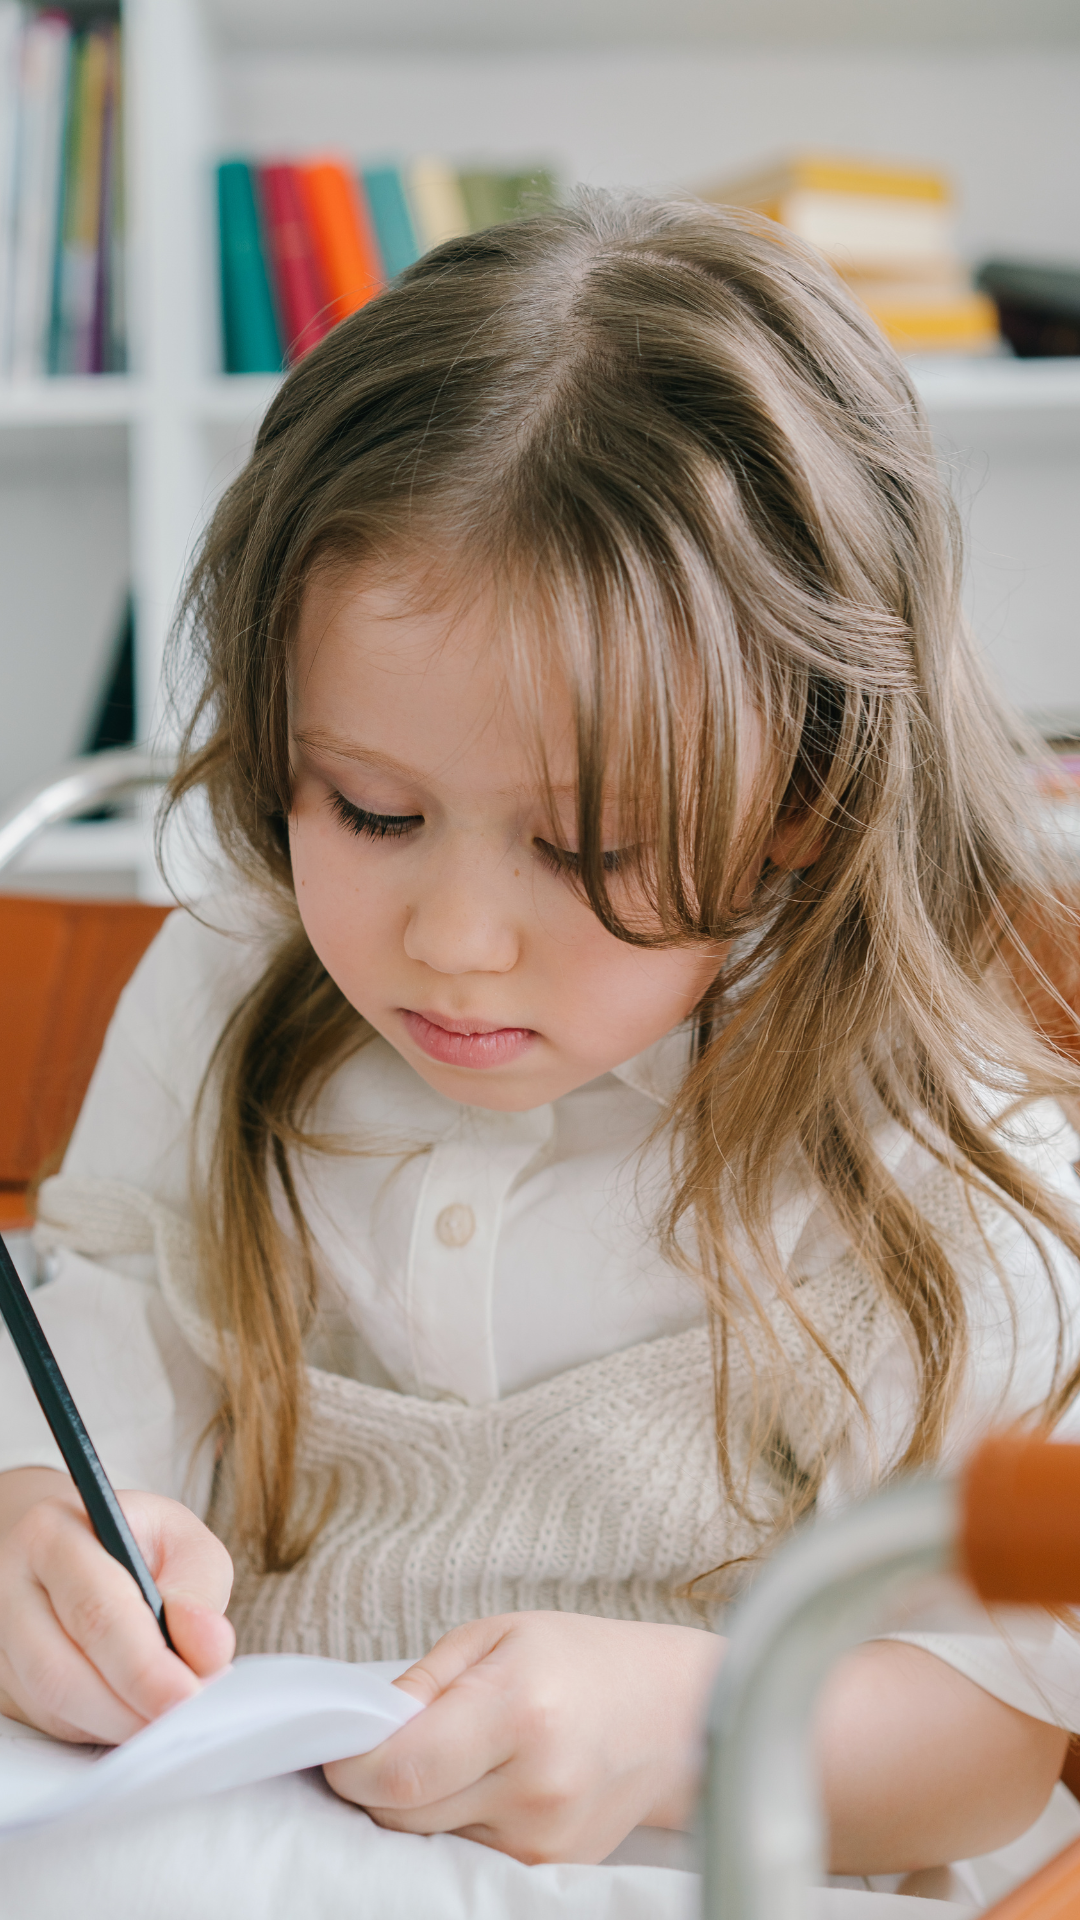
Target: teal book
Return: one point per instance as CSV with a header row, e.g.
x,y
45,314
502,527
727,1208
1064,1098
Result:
x,y
249,323
58,355
391,218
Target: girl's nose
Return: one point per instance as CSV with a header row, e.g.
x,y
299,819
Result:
x,y
460,922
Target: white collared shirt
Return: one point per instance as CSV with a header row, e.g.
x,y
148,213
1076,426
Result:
x,y
464,1253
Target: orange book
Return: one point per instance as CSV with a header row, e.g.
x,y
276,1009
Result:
x,y
342,234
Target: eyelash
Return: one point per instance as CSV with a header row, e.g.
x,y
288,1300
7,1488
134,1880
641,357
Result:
x,y
397,826
376,826
561,860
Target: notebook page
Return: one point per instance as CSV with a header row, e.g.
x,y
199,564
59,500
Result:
x,y
265,1715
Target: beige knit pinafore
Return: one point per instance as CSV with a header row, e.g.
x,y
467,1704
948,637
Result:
x,y
597,1491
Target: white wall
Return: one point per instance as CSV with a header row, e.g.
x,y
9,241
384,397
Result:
x,y
64,571
1006,124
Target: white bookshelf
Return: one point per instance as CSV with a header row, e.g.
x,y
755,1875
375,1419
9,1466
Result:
x,y
107,399
116,475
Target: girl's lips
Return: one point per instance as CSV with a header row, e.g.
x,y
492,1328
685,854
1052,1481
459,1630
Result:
x,y
457,1044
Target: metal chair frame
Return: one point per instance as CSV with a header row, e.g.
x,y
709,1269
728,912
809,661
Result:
x,y
79,786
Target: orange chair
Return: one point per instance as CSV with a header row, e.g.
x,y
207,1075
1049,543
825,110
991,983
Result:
x,y
62,966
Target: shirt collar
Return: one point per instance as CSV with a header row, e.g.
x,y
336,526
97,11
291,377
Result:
x,y
659,1071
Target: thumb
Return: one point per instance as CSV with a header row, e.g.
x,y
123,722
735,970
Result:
x,y
449,1658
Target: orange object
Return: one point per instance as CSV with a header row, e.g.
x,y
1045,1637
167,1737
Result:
x,y
343,236
1020,1521
1051,1894
62,966
1019,1544
1052,974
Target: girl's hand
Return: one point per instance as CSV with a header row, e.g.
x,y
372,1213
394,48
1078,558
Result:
x,y
81,1655
547,1735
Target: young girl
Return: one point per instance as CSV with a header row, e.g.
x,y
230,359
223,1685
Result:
x,y
590,1132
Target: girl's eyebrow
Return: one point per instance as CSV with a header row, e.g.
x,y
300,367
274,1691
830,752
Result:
x,y
323,741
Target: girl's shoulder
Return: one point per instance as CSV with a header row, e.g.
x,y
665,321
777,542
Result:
x,y
190,980
135,1121
223,942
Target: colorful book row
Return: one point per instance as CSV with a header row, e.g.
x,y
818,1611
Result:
x,y
304,243
61,197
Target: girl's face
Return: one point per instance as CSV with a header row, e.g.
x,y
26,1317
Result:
x,y
428,875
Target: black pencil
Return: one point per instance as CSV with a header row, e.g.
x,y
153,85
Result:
x,y
101,1503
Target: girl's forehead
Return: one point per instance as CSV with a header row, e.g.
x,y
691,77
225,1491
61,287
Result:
x,y
385,679
355,629
381,600
375,637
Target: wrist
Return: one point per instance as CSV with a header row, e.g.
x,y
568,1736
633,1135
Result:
x,y
694,1661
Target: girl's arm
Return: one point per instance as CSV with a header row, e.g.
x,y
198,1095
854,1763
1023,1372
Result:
x,y
551,1735
81,1655
920,1766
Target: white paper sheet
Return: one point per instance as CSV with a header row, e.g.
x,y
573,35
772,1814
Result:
x,y
266,1715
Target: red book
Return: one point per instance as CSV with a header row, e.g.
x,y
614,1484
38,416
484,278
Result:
x,y
304,309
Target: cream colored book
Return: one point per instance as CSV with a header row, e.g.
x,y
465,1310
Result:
x,y
436,202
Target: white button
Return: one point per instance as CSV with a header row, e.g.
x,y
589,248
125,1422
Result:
x,y
456,1225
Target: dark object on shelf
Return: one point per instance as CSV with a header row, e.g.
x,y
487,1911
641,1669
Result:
x,y
114,721
1038,307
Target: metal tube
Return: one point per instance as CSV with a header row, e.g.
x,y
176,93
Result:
x,y
819,1595
79,786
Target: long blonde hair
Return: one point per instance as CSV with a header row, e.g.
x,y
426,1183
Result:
x,y
702,486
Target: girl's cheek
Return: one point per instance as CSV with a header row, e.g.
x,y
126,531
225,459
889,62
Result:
x,y
615,999
336,893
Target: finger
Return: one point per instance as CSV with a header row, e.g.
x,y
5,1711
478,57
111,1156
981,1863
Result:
x,y
101,1610
205,1640
462,1737
525,1834
451,1656
473,1813
52,1684
185,1558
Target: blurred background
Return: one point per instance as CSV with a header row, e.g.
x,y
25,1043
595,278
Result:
x,y
191,190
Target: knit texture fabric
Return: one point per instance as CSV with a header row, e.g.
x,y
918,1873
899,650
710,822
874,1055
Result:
x,y
598,1491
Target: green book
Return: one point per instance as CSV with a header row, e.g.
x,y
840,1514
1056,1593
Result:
x,y
249,323
530,192
493,197
485,197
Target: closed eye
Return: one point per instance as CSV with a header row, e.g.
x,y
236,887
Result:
x,y
375,826
562,860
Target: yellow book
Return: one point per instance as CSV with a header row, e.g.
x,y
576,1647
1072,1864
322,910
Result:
x,y
837,173
916,321
864,216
